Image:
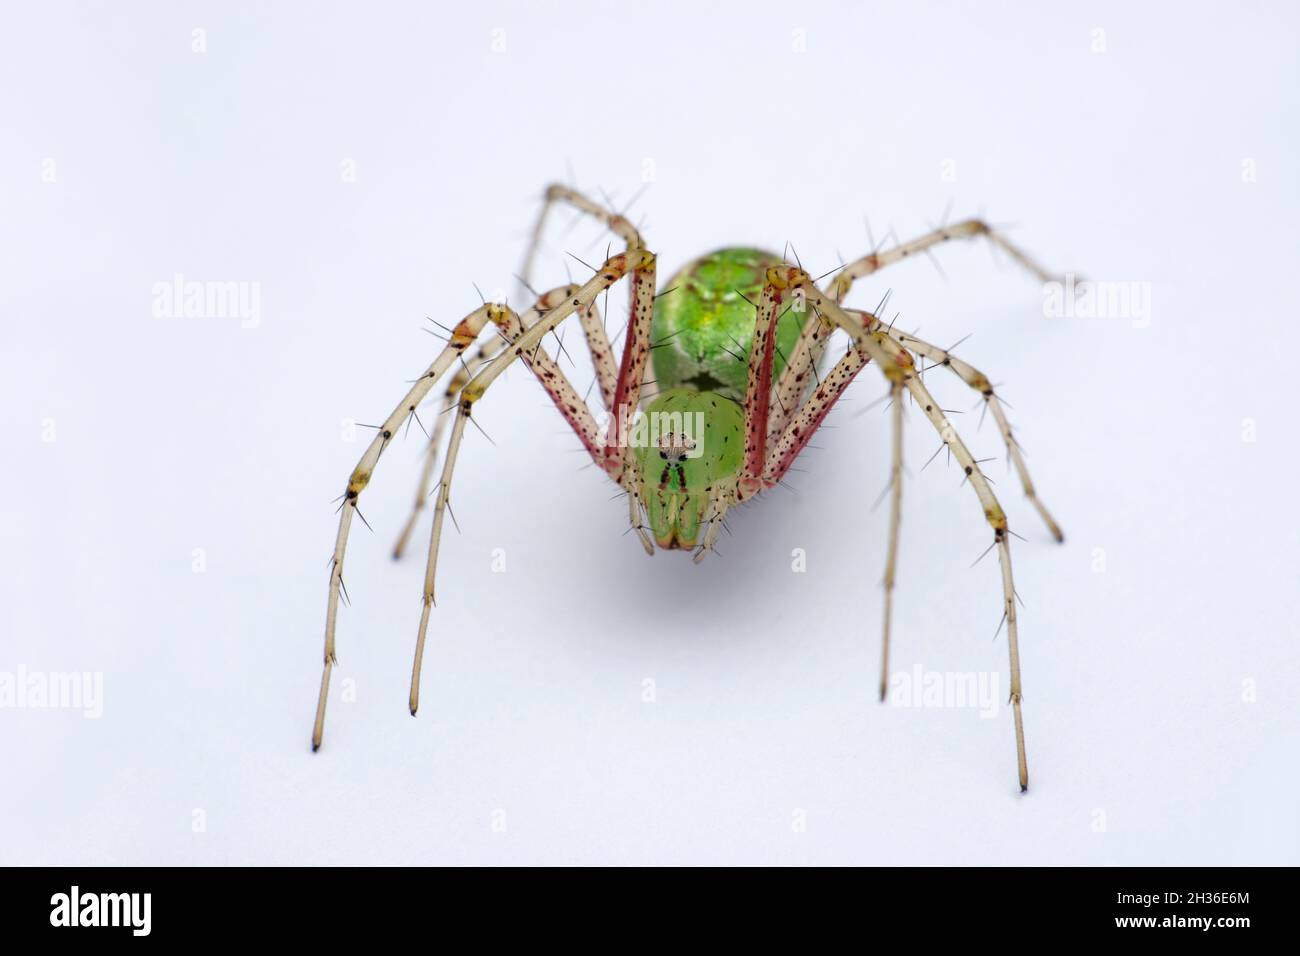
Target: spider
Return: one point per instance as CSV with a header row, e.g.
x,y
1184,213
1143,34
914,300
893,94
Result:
x,y
737,338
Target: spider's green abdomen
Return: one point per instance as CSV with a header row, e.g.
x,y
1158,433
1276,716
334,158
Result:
x,y
704,327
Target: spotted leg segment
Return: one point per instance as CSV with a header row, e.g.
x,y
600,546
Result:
x,y
620,385
895,518
430,460
590,316
809,416
784,284
602,353
462,337
801,367
899,368
758,382
636,351
566,400
559,193
618,454
528,347
997,519
799,374
721,498
978,381
969,229
805,423
593,328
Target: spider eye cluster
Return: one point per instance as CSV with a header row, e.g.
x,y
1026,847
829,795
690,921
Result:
x,y
674,448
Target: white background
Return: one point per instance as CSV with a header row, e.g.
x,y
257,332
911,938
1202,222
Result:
x,y
1159,643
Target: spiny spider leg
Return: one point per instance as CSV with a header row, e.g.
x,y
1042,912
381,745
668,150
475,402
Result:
x,y
485,352
792,386
562,394
558,192
895,517
970,228
808,417
758,381
899,368
463,375
625,391
618,383
618,454
802,427
721,497
620,387
978,381
557,385
769,450
602,353
462,337
997,519
528,347
566,400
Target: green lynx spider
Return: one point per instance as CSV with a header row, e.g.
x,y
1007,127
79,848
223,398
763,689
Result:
x,y
723,307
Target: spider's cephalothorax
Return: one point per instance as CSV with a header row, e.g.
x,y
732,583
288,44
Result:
x,y
737,337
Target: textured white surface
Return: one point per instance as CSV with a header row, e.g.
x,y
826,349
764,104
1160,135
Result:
x,y
764,743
